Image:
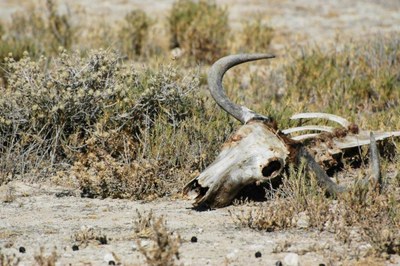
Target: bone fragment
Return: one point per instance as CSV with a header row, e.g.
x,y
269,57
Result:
x,y
340,120
305,128
375,164
305,136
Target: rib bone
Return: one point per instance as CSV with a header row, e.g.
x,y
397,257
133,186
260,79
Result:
x,y
340,120
305,128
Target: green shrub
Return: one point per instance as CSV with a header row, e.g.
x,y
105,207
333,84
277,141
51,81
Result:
x,y
200,28
133,33
256,36
47,33
31,31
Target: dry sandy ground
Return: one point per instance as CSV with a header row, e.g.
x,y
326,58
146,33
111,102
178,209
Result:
x,y
38,217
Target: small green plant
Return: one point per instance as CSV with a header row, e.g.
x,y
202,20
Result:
x,y
200,28
133,33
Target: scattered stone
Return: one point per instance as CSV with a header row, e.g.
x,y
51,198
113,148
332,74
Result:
x,y
232,255
108,258
102,240
193,239
145,243
278,263
65,193
302,220
134,247
22,250
75,247
291,259
258,254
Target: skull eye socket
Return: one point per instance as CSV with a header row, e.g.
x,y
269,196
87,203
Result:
x,y
272,168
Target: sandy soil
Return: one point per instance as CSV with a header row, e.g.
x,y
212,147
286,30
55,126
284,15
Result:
x,y
40,216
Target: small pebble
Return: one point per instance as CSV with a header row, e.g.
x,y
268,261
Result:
x,y
22,250
278,263
193,239
111,262
291,259
108,258
102,240
232,255
75,247
258,254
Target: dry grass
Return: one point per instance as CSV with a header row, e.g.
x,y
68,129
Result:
x,y
42,259
164,246
360,215
86,235
9,260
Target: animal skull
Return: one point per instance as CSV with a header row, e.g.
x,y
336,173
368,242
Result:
x,y
258,151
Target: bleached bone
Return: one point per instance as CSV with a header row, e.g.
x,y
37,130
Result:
x,y
305,136
375,163
258,151
255,153
306,128
340,120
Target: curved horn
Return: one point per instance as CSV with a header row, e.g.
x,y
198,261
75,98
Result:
x,y
215,75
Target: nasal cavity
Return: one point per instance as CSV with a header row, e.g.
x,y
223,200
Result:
x,y
272,168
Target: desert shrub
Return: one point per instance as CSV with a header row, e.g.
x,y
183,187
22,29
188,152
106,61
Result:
x,y
200,28
164,247
30,31
96,33
133,33
256,36
111,129
47,112
47,33
100,175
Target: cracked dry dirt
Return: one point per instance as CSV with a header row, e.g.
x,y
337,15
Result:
x,y
40,216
